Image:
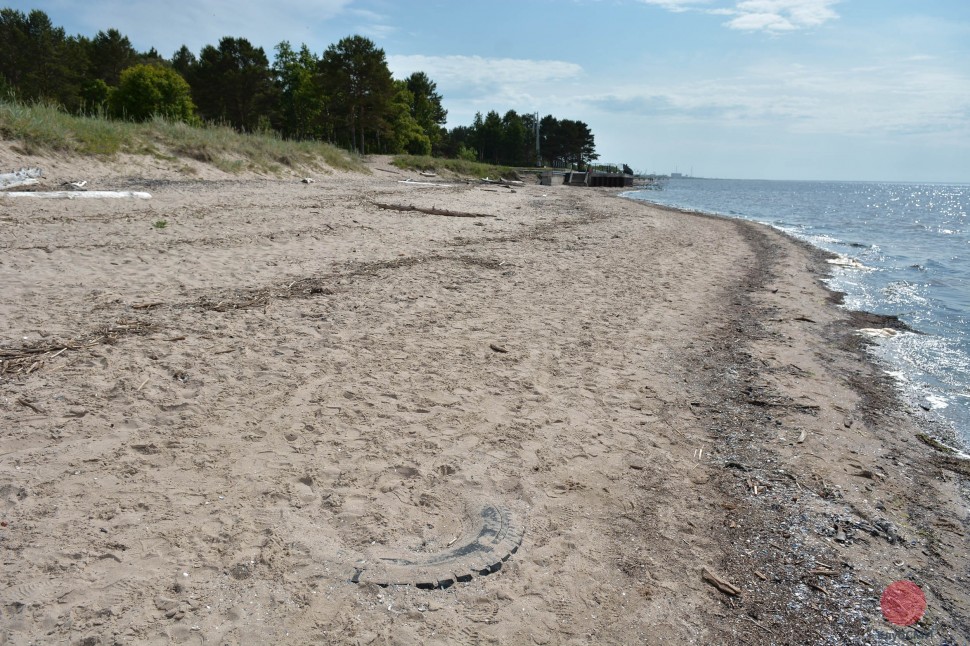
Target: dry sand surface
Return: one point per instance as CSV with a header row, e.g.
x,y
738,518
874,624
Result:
x,y
288,413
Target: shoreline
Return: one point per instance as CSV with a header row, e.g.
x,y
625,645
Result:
x,y
295,389
887,421
945,426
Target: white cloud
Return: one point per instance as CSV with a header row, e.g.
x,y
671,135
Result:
x,y
676,5
474,83
477,70
760,15
373,25
782,15
892,98
149,23
761,22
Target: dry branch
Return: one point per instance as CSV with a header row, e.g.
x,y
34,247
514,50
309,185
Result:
x,y
29,404
28,358
431,211
721,584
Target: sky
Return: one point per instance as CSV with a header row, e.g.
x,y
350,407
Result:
x,y
873,90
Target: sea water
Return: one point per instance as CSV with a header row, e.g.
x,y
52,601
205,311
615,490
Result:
x,y
902,249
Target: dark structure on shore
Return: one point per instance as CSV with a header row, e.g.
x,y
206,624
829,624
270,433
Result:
x,y
602,178
593,178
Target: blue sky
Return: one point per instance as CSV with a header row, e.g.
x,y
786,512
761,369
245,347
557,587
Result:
x,y
770,89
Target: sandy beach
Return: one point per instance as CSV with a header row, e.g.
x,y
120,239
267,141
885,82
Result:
x,y
255,410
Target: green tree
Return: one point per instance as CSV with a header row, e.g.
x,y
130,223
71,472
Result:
x,y
94,97
355,76
110,53
579,142
457,143
567,142
301,98
152,57
513,149
476,134
407,135
184,62
234,84
426,107
529,124
145,91
39,60
490,137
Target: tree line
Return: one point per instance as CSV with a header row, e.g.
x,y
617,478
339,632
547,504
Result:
x,y
346,96
512,140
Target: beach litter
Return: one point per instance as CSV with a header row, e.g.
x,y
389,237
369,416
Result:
x,y
22,177
73,190
492,534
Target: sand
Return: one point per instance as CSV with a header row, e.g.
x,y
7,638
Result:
x,y
254,410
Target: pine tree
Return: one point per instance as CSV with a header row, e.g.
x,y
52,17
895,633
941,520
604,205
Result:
x,y
356,78
234,84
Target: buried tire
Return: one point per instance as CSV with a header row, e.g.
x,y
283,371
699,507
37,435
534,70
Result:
x,y
492,534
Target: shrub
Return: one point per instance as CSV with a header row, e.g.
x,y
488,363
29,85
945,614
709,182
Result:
x,y
146,91
467,154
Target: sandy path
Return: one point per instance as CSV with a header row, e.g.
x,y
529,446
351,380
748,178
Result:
x,y
288,390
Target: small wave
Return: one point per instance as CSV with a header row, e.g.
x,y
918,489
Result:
x,y
821,239
900,292
847,262
878,332
937,402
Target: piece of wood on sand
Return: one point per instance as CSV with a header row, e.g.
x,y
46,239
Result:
x,y
430,211
78,195
22,177
720,583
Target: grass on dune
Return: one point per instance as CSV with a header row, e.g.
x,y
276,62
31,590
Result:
x,y
42,127
457,166
38,128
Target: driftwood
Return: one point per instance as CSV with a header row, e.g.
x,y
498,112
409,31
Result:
x,y
507,183
431,211
414,183
22,177
721,584
26,359
76,195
